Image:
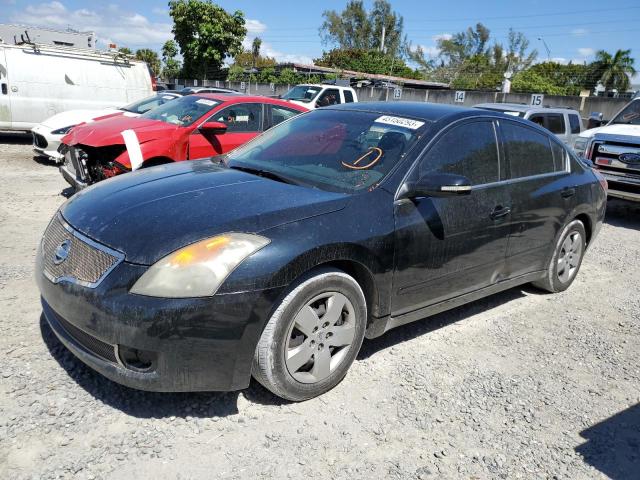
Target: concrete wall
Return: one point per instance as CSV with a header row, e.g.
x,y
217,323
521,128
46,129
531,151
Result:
x,y
585,105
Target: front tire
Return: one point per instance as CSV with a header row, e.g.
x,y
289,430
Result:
x,y
566,260
313,337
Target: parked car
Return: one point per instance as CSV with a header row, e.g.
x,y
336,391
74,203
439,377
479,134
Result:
x,y
193,126
614,150
48,135
320,95
277,259
40,81
565,123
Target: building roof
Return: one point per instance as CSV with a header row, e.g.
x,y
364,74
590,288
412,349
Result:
x,y
373,76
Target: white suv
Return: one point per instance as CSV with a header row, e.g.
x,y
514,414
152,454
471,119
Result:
x,y
314,96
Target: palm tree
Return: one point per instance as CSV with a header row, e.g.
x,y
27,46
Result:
x,y
614,71
255,50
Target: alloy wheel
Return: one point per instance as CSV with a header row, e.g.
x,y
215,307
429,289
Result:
x,y
320,336
569,256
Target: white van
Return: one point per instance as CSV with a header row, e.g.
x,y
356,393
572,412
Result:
x,y
39,81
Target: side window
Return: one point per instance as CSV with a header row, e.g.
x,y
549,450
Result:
x,y
554,122
469,149
280,114
528,152
330,96
559,156
574,122
241,117
348,96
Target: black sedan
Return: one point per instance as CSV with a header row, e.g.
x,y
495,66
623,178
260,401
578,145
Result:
x,y
277,259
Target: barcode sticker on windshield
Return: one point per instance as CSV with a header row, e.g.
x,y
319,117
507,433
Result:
x,y
400,122
204,101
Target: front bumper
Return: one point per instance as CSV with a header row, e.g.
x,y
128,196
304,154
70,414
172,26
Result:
x,y
46,144
622,186
197,344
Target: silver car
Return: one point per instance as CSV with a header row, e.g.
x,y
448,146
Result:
x,y
565,123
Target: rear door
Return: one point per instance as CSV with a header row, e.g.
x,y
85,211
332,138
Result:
x,y
244,121
575,127
541,195
277,114
450,246
5,102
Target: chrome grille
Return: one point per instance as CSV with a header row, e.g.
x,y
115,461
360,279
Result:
x,y
86,263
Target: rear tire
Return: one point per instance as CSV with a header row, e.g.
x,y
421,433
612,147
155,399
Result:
x,y
313,337
566,260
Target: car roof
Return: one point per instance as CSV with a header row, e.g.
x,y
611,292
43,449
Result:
x,y
242,98
423,110
521,107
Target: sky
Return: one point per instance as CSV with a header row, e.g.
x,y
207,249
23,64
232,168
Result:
x,y
573,30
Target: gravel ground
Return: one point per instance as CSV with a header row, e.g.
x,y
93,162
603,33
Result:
x,y
518,385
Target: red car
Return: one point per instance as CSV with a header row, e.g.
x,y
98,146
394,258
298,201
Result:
x,y
194,126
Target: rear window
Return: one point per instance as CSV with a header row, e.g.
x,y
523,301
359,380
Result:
x,y
348,96
528,152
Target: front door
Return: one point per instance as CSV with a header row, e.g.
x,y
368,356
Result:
x,y
446,247
5,102
244,121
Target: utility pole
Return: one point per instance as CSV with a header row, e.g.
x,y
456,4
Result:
x,y
384,31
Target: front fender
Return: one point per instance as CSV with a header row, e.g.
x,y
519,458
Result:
x,y
137,153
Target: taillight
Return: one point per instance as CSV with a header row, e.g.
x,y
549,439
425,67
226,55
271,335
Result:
x,y
154,83
602,180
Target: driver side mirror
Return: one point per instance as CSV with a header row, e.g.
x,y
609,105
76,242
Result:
x,y
215,128
437,185
595,120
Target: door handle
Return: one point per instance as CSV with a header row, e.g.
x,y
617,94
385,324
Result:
x,y
568,192
500,212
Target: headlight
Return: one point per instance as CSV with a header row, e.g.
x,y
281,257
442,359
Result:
x,y
580,145
199,269
62,131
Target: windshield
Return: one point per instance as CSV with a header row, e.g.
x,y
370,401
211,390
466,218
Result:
x,y
183,111
305,93
630,115
148,103
341,151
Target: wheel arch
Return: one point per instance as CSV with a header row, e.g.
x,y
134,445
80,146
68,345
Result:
x,y
155,161
588,227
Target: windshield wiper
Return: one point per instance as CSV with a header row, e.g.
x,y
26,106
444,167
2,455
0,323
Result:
x,y
266,174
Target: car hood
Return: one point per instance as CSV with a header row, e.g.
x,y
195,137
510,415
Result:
x,y
108,131
74,117
615,129
151,213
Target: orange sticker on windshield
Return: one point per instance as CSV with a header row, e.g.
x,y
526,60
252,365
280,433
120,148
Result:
x,y
355,165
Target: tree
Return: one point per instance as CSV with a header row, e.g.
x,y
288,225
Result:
x,y
464,45
355,28
125,50
614,71
255,50
206,34
172,66
368,61
150,58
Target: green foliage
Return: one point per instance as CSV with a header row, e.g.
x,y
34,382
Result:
x,y
614,71
533,82
355,28
172,67
246,59
125,50
206,34
150,58
368,61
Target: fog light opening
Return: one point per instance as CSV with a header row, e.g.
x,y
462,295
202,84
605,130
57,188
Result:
x,y
137,360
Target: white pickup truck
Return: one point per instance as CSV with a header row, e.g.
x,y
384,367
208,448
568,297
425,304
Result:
x,y
614,150
314,96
